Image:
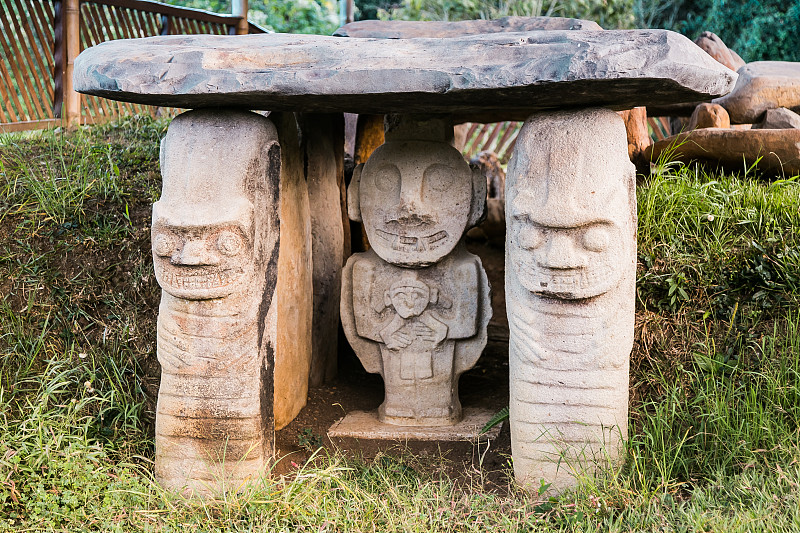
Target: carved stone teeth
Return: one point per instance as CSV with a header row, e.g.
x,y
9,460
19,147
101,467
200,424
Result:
x,y
406,243
435,240
197,281
576,278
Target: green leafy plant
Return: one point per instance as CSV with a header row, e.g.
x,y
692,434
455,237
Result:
x,y
308,440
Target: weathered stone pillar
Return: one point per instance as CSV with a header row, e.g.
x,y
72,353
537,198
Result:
x,y
415,307
570,292
294,294
215,237
323,146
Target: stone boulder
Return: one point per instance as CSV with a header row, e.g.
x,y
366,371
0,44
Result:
x,y
778,119
638,134
709,116
761,86
731,149
713,46
509,75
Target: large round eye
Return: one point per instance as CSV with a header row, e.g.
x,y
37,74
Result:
x,y
530,236
164,245
387,178
229,243
439,177
596,239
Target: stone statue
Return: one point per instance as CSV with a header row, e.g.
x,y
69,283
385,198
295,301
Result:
x,y
215,246
415,307
570,274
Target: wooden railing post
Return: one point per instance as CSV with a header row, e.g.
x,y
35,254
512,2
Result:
x,y
59,58
72,100
239,9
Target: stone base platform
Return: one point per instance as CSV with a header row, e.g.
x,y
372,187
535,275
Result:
x,y
364,425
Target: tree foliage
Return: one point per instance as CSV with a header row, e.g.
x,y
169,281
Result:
x,y
284,16
756,29
611,14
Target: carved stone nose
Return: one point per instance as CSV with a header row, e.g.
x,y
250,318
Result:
x,y
194,253
560,253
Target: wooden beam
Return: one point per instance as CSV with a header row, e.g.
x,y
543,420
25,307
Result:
x,y
72,99
29,125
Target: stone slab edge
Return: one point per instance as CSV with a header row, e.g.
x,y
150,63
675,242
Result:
x,y
409,29
507,72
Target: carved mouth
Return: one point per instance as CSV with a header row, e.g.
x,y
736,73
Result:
x,y
570,283
409,221
406,243
188,280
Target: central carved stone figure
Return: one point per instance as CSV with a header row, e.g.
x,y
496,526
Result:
x,y
416,306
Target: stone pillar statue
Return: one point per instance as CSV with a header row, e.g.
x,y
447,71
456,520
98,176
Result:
x,y
570,292
415,307
215,247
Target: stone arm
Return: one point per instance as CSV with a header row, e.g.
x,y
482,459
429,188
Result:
x,y
438,329
466,298
367,318
392,337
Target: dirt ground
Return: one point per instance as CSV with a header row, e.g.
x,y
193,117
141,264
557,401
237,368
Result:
x,y
486,386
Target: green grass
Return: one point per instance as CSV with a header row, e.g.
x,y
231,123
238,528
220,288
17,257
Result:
x,y
715,372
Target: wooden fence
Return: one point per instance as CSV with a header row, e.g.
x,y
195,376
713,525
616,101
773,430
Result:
x,y
41,39
497,137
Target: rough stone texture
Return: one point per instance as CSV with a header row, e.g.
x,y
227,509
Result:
x,y
369,136
365,425
638,133
416,306
709,116
295,285
716,48
493,227
763,85
405,29
778,119
460,136
733,149
327,237
571,265
504,74
215,237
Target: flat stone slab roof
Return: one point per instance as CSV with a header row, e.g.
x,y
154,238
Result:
x,y
509,74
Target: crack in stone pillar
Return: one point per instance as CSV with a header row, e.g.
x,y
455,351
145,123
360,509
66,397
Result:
x,y
570,292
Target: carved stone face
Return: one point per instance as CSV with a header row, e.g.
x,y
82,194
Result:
x,y
409,298
570,209
203,257
565,262
415,199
